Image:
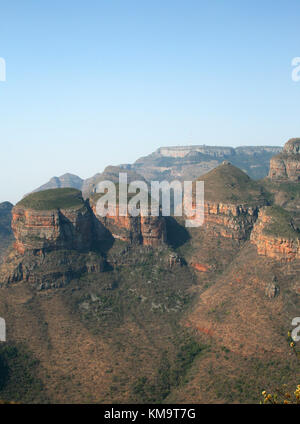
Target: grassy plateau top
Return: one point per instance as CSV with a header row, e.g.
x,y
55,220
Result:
x,y
59,198
281,224
229,184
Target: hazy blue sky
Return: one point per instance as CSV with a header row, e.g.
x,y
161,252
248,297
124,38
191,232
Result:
x,y
92,83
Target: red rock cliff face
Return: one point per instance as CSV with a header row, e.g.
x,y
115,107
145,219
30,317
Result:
x,y
149,231
279,248
286,165
230,221
49,230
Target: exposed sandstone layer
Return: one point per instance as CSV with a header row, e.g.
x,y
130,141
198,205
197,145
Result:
x,y
187,163
57,235
231,202
52,229
148,230
276,246
54,233
286,165
228,220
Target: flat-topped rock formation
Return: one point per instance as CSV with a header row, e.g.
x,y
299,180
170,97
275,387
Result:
x,y
58,237
175,162
145,230
214,151
52,219
183,151
275,236
231,201
190,162
54,235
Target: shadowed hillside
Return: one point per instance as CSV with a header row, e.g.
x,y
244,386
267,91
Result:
x,y
96,312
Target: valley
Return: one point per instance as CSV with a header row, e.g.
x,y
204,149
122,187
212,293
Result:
x,y
145,310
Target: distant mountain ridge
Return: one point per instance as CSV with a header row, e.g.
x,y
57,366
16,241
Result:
x,y
190,162
90,297
176,162
64,181
216,151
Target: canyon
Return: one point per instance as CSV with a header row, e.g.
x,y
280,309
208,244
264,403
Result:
x,y
204,312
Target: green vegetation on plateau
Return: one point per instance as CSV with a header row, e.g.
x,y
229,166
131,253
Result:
x,y
226,183
281,224
59,198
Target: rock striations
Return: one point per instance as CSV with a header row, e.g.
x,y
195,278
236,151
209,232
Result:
x,y
54,238
286,165
147,230
275,236
231,202
59,237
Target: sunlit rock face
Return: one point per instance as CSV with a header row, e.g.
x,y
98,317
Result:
x,y
274,236
286,165
145,230
54,229
54,234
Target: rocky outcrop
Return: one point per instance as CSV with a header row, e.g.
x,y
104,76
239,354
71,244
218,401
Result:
x,y
58,234
228,220
182,151
189,162
53,269
178,162
286,165
231,202
148,230
41,230
273,238
54,235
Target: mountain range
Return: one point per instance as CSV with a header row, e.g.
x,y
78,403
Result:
x,y
181,162
144,310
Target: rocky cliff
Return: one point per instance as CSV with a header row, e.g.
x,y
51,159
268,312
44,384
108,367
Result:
x,y
54,219
178,162
189,162
231,201
229,220
58,237
231,204
286,165
54,236
275,236
6,235
276,232
148,230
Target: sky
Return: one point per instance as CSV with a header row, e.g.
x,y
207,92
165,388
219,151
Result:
x,y
103,82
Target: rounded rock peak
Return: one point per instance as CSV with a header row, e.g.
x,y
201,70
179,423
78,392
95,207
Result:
x,y
292,146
